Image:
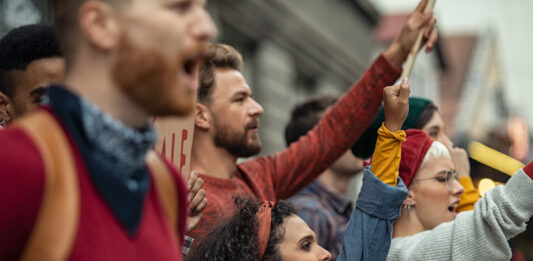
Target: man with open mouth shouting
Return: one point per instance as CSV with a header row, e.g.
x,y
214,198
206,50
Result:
x,y
78,179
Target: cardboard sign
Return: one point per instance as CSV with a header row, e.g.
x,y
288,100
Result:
x,y
174,142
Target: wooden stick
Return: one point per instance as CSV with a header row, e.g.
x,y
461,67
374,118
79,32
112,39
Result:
x,y
414,51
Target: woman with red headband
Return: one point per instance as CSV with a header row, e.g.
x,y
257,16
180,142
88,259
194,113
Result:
x,y
424,115
429,227
263,230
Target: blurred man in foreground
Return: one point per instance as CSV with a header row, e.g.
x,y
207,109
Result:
x,y
126,61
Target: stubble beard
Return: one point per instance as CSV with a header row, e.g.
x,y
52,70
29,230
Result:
x,y
235,143
143,74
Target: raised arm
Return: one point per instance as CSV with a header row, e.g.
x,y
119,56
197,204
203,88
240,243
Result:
x,y
298,165
368,234
481,234
342,126
386,159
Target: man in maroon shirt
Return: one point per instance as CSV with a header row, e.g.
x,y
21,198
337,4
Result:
x,y
126,61
227,122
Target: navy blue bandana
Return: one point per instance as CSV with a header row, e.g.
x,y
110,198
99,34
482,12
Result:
x,y
113,153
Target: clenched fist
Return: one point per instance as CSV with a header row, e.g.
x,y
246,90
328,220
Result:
x,y
396,100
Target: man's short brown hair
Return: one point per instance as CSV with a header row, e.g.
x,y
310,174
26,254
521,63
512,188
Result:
x,y
219,56
66,23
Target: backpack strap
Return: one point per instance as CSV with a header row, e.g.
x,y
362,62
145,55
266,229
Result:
x,y
56,225
165,186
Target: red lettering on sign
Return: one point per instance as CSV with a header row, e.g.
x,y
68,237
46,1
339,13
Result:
x,y
183,157
172,151
164,149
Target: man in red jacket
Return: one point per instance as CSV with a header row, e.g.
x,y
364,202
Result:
x,y
126,60
227,122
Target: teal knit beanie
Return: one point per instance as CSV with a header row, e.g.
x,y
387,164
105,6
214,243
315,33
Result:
x,y
364,148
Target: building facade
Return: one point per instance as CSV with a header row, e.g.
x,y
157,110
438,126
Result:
x,y
297,49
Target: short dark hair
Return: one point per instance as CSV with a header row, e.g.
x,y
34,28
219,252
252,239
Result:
x,y
306,115
236,239
20,47
219,56
65,13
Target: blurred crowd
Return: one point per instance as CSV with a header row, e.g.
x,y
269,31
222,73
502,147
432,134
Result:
x,y
80,179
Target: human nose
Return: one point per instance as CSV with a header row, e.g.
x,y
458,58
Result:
x,y
256,109
325,255
455,187
204,28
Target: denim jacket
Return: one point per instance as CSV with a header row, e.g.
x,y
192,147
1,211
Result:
x,y
369,231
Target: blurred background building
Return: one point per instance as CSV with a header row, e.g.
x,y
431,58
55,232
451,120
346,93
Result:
x,y
14,13
483,93
478,75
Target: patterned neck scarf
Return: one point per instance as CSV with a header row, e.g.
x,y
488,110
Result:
x,y
113,153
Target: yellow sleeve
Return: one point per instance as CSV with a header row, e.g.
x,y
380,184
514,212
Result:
x,y
469,197
387,155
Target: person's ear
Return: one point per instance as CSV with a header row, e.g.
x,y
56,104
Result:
x,y
100,25
5,109
202,118
409,202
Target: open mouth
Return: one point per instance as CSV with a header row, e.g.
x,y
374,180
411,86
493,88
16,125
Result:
x,y
452,207
190,68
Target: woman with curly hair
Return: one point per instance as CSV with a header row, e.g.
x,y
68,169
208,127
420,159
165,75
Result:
x,y
240,237
264,230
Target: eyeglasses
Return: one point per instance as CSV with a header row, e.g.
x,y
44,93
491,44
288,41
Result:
x,y
444,176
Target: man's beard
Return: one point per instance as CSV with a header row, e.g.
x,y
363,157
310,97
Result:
x,y
145,76
235,143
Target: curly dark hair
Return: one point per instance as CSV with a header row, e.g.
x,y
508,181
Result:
x,y
236,239
20,47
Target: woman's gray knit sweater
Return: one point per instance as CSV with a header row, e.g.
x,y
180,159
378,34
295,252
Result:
x,y
480,234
